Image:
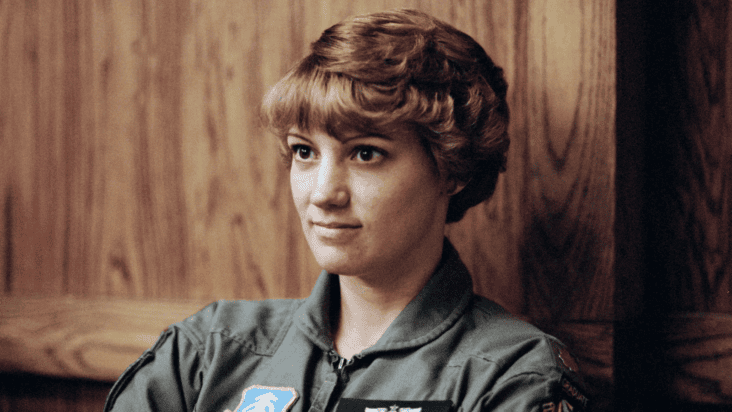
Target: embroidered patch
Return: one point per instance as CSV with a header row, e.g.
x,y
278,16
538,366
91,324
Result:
x,y
260,398
572,391
562,406
367,405
563,357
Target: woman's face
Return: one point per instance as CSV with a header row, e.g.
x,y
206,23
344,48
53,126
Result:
x,y
368,204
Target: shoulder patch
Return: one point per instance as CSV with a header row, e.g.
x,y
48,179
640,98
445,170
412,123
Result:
x,y
258,398
563,358
561,406
573,392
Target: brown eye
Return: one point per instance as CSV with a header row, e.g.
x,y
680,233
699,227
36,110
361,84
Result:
x,y
368,154
302,152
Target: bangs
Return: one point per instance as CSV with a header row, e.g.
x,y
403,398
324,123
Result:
x,y
311,98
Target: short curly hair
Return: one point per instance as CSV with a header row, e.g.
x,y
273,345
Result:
x,y
405,67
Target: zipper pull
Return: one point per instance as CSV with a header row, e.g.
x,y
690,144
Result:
x,y
341,363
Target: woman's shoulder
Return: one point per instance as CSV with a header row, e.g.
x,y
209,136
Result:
x,y
516,350
256,324
486,314
512,343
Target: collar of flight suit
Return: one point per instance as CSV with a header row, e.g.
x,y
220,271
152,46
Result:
x,y
434,310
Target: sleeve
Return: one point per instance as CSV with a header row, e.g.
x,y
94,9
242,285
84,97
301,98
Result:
x,y
167,377
536,392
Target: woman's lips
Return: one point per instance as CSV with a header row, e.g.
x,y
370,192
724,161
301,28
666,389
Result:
x,y
337,225
335,232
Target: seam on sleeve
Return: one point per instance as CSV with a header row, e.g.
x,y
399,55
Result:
x,y
129,373
544,379
272,345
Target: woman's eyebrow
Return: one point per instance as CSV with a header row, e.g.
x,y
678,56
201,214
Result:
x,y
347,138
297,135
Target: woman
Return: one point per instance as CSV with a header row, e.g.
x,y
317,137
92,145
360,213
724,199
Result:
x,y
393,127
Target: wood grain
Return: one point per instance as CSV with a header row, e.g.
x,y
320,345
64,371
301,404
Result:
x,y
141,171
134,166
29,134
697,172
694,250
163,183
682,233
567,245
551,218
81,338
699,356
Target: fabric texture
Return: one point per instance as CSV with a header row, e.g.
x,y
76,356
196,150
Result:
x,y
446,345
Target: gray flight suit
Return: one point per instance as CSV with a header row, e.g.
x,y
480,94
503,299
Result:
x,y
448,350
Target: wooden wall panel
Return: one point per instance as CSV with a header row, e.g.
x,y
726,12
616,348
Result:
x,y
142,175
90,338
552,216
133,164
689,201
156,139
698,178
567,253
35,224
247,241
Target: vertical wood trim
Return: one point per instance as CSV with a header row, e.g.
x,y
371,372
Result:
x,y
568,245
632,343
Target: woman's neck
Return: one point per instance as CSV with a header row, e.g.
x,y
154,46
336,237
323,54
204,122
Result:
x,y
369,305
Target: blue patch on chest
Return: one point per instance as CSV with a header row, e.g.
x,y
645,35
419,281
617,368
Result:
x,y
260,398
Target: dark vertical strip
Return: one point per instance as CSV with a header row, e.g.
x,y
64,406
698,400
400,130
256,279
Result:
x,y
631,336
653,271
686,170
663,131
700,157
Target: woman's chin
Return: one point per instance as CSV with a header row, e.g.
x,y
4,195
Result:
x,y
337,260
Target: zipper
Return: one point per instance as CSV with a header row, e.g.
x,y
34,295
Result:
x,y
342,375
343,363
338,363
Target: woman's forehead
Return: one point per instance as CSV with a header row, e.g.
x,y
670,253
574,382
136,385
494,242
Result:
x,y
392,132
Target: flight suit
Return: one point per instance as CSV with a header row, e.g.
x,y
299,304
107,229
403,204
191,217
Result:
x,y
448,350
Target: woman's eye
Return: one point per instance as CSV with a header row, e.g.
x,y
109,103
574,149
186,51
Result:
x,y
302,152
368,154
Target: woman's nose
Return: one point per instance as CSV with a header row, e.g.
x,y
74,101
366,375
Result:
x,y
331,189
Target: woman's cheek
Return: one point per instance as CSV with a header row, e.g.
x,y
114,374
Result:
x,y
299,185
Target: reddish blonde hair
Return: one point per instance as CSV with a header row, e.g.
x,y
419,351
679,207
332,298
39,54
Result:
x,y
372,72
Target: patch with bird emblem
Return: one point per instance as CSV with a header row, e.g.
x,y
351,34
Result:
x,y
260,398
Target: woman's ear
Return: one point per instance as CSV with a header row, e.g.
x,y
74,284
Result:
x,y
454,186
